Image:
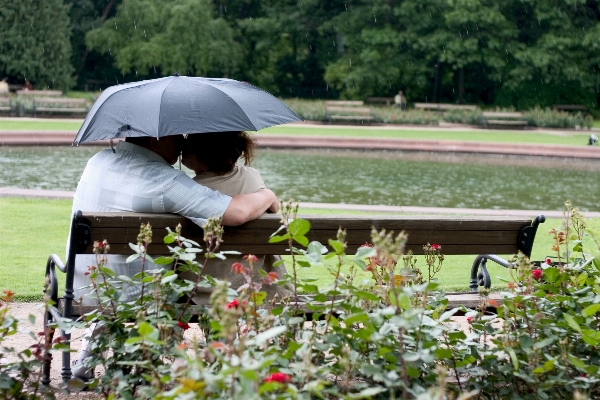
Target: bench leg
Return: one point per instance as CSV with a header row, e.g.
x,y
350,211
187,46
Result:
x,y
49,333
482,277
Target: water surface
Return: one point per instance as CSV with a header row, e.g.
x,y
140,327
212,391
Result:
x,y
355,177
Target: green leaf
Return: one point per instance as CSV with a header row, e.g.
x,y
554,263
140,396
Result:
x,y
300,239
295,320
132,258
361,294
513,358
441,353
299,227
551,274
354,318
169,279
543,343
258,297
576,362
572,323
590,310
270,333
336,245
163,260
399,299
145,329
279,238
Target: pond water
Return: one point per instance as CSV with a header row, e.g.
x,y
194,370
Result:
x,y
355,177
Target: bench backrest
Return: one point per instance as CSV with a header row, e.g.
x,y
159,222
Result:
x,y
4,100
49,93
457,235
444,106
59,100
360,110
497,114
350,103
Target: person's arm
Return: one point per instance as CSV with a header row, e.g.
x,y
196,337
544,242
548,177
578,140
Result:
x,y
247,207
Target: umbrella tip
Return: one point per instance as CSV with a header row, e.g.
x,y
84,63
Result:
x,y
176,74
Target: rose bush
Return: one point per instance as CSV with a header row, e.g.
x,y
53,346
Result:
x,y
390,336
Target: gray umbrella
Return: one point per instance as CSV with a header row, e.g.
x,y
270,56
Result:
x,y
181,105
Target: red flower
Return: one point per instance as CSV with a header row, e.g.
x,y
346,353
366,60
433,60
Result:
x,y
251,258
233,304
435,247
238,267
469,319
548,261
537,273
86,273
278,377
183,325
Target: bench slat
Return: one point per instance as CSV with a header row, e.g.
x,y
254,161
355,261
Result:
x,y
502,114
344,103
355,236
456,235
70,110
350,109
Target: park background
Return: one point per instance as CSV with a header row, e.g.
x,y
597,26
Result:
x,y
493,53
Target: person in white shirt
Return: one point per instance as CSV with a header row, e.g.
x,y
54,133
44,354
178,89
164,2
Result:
x,y
138,176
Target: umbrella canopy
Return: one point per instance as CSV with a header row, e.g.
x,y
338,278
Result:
x,y
181,105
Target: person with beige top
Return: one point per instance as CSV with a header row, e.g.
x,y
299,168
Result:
x,y
213,157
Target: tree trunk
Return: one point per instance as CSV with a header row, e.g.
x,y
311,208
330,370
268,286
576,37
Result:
x,y
461,85
437,85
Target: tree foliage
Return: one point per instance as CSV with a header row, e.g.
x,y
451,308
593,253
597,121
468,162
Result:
x,y
34,42
176,36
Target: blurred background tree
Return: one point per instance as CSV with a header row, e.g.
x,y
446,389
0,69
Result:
x,y
508,53
34,43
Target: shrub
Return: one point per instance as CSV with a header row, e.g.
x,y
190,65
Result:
x,y
386,337
394,115
469,117
310,110
547,118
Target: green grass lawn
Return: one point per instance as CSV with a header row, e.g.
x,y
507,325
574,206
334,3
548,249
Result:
x,y
575,139
572,138
32,229
15,125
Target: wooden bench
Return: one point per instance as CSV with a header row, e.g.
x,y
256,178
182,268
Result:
x,y
502,120
44,93
59,105
479,236
348,111
380,100
441,107
5,104
570,107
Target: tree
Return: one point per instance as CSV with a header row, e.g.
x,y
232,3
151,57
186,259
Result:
x,y
553,60
34,42
92,69
171,35
289,46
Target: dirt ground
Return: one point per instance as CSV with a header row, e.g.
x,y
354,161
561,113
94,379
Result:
x,y
23,340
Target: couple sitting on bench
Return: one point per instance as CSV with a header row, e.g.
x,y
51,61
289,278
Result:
x,y
138,176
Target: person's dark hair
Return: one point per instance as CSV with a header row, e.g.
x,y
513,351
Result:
x,y
219,151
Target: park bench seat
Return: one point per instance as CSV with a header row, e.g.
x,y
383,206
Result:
x,y
569,107
480,236
350,110
441,107
496,119
59,105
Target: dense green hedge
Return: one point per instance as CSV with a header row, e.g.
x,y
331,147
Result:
x,y
314,110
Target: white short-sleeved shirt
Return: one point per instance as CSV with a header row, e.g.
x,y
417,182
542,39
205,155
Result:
x,y
136,179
